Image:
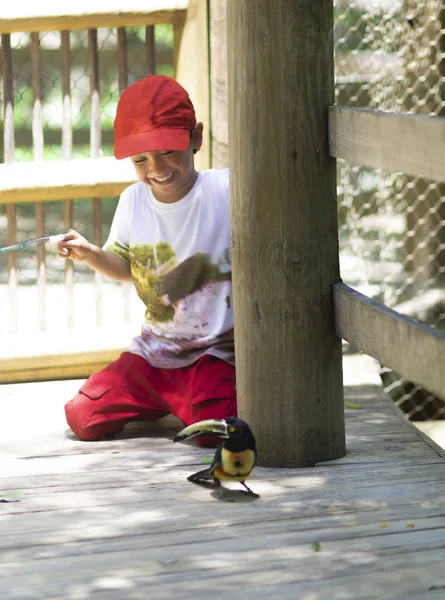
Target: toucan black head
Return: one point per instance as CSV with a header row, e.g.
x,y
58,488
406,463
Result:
x,y
240,435
236,433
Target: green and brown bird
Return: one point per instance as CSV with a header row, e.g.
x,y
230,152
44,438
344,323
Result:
x,y
233,460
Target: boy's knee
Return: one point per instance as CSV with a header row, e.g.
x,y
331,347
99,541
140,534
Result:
x,y
79,419
76,419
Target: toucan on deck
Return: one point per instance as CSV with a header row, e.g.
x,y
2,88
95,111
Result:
x,y
117,519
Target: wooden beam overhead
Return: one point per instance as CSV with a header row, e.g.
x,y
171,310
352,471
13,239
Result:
x,y
410,144
61,180
82,14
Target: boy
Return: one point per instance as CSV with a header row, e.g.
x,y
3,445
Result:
x,y
171,236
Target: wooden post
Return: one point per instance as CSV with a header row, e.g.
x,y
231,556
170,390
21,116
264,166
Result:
x,y
95,149
67,150
38,145
191,64
284,228
9,151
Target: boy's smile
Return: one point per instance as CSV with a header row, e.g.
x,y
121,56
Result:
x,y
170,173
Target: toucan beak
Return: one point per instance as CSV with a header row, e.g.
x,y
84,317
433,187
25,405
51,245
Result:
x,y
216,427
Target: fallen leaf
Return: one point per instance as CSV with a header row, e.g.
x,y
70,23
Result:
x,y
384,525
316,546
410,525
13,495
207,459
352,405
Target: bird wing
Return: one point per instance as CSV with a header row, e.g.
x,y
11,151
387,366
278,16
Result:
x,y
207,473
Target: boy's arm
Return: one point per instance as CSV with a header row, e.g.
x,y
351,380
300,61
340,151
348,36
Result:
x,y
76,247
108,264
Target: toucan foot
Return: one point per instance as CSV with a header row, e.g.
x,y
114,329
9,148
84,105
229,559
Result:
x,y
219,493
249,491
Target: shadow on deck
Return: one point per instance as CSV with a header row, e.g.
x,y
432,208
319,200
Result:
x,y
117,519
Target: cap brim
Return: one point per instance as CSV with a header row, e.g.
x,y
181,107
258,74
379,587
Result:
x,y
148,141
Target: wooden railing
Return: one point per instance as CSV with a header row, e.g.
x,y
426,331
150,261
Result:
x,y
64,180
414,145
410,144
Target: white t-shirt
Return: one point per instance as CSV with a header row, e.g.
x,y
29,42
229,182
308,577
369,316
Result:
x,y
179,255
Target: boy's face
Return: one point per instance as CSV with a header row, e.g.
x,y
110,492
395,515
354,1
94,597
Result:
x,y
170,173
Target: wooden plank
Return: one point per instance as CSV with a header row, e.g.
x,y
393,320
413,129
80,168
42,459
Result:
x,y
330,527
93,67
411,144
204,569
122,58
191,63
95,148
68,223
37,125
115,473
41,265
67,129
8,99
123,83
67,148
98,241
60,180
150,54
9,150
51,367
32,530
11,216
46,16
410,348
37,138
284,229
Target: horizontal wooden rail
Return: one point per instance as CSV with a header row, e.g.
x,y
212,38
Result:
x,y
60,180
57,366
45,15
412,349
411,144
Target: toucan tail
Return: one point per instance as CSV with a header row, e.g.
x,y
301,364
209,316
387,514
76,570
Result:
x,y
200,475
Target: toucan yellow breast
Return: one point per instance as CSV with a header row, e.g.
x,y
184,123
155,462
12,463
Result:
x,y
235,466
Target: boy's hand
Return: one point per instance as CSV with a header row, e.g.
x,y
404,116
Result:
x,y
74,246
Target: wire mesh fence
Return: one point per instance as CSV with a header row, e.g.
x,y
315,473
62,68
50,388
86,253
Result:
x,y
390,55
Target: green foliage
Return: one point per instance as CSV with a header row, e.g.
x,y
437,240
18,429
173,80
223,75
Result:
x,y
80,97
365,29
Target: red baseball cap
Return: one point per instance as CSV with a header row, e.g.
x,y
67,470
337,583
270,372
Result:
x,y
154,113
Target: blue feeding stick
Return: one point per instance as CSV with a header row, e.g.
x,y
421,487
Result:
x,y
28,244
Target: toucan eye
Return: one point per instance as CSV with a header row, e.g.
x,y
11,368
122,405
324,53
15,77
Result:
x,y
231,429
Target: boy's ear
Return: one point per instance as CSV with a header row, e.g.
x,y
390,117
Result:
x,y
197,137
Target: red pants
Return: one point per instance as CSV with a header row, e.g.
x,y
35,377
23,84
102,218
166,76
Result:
x,y
131,389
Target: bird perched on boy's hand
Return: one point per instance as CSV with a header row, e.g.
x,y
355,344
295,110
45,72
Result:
x,y
233,460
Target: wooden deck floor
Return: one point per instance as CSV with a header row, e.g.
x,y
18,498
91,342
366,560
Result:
x,y
118,520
